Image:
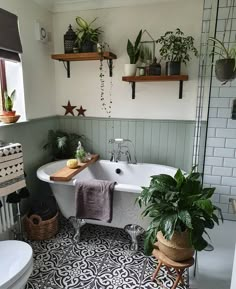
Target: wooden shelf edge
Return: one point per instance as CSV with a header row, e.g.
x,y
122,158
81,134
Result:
x,y
83,56
150,78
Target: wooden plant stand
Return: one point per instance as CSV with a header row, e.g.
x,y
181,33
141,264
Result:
x,y
168,263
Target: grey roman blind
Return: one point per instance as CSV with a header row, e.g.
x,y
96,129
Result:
x,y
10,44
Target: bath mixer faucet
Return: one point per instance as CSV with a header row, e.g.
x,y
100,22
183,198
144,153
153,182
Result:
x,y
121,148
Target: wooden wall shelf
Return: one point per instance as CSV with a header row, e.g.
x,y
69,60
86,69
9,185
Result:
x,y
155,78
67,58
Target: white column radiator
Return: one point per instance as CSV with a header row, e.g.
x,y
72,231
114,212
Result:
x,y
6,216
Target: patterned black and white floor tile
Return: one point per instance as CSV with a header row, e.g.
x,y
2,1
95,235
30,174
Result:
x,y
101,260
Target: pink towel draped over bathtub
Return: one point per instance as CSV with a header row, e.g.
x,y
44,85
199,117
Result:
x,y
93,199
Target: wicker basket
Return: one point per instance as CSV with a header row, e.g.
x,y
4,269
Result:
x,y
37,229
178,248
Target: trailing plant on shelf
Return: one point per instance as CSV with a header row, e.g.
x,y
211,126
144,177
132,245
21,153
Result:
x,y
178,205
225,69
8,103
106,105
62,145
176,48
87,36
133,51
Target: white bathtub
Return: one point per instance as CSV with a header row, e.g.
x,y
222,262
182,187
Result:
x,y
129,182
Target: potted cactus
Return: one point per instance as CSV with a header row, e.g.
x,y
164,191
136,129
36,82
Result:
x,y
8,103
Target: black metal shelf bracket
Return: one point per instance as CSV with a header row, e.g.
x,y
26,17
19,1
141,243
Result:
x,y
180,89
110,66
133,89
133,83
67,67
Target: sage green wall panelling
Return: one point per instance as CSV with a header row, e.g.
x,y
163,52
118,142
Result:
x,y
32,135
168,142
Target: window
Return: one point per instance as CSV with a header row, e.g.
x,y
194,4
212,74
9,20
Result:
x,y
11,78
3,82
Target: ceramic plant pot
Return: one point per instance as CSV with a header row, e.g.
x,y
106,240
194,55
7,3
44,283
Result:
x,y
225,69
178,248
87,46
173,68
130,69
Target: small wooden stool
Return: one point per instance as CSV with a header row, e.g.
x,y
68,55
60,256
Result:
x,y
178,266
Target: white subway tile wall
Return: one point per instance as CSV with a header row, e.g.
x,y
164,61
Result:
x,y
220,162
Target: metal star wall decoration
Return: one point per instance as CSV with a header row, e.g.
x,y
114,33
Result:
x,y
81,111
69,108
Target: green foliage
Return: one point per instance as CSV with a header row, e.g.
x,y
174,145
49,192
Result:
x,y
176,47
133,50
85,32
9,100
62,145
220,49
178,203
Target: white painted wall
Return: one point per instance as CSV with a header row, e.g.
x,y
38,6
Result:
x,y
38,70
153,100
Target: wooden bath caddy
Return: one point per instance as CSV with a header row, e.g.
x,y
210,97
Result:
x,y
66,174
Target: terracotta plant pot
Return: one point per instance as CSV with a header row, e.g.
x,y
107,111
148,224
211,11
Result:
x,y
178,248
225,69
9,113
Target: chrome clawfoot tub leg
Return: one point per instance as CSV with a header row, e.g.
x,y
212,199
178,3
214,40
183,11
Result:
x,y
134,231
77,224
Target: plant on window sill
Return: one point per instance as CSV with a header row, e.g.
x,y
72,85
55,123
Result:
x,y
8,103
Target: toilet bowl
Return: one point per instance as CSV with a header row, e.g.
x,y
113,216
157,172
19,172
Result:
x,y
16,264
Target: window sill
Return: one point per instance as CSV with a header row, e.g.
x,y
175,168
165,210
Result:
x,y
25,121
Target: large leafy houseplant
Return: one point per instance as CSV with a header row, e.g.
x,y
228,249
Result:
x,y
62,145
86,35
178,203
176,48
225,65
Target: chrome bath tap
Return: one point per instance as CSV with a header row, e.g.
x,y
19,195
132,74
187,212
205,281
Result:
x,y
121,148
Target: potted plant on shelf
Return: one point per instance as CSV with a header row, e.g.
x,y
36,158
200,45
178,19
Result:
x,y
180,210
225,65
133,51
87,37
176,48
62,145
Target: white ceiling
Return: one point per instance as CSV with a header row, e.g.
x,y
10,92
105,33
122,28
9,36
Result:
x,y
69,5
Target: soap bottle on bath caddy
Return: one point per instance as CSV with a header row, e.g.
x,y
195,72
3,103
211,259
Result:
x,y
81,154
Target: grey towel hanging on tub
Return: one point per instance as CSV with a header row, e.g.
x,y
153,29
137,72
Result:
x,y
94,199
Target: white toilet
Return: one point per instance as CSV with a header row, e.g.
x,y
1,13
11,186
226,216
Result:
x,y
16,264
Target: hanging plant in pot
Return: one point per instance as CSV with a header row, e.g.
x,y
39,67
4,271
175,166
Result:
x,y
133,51
87,37
225,65
180,210
176,49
